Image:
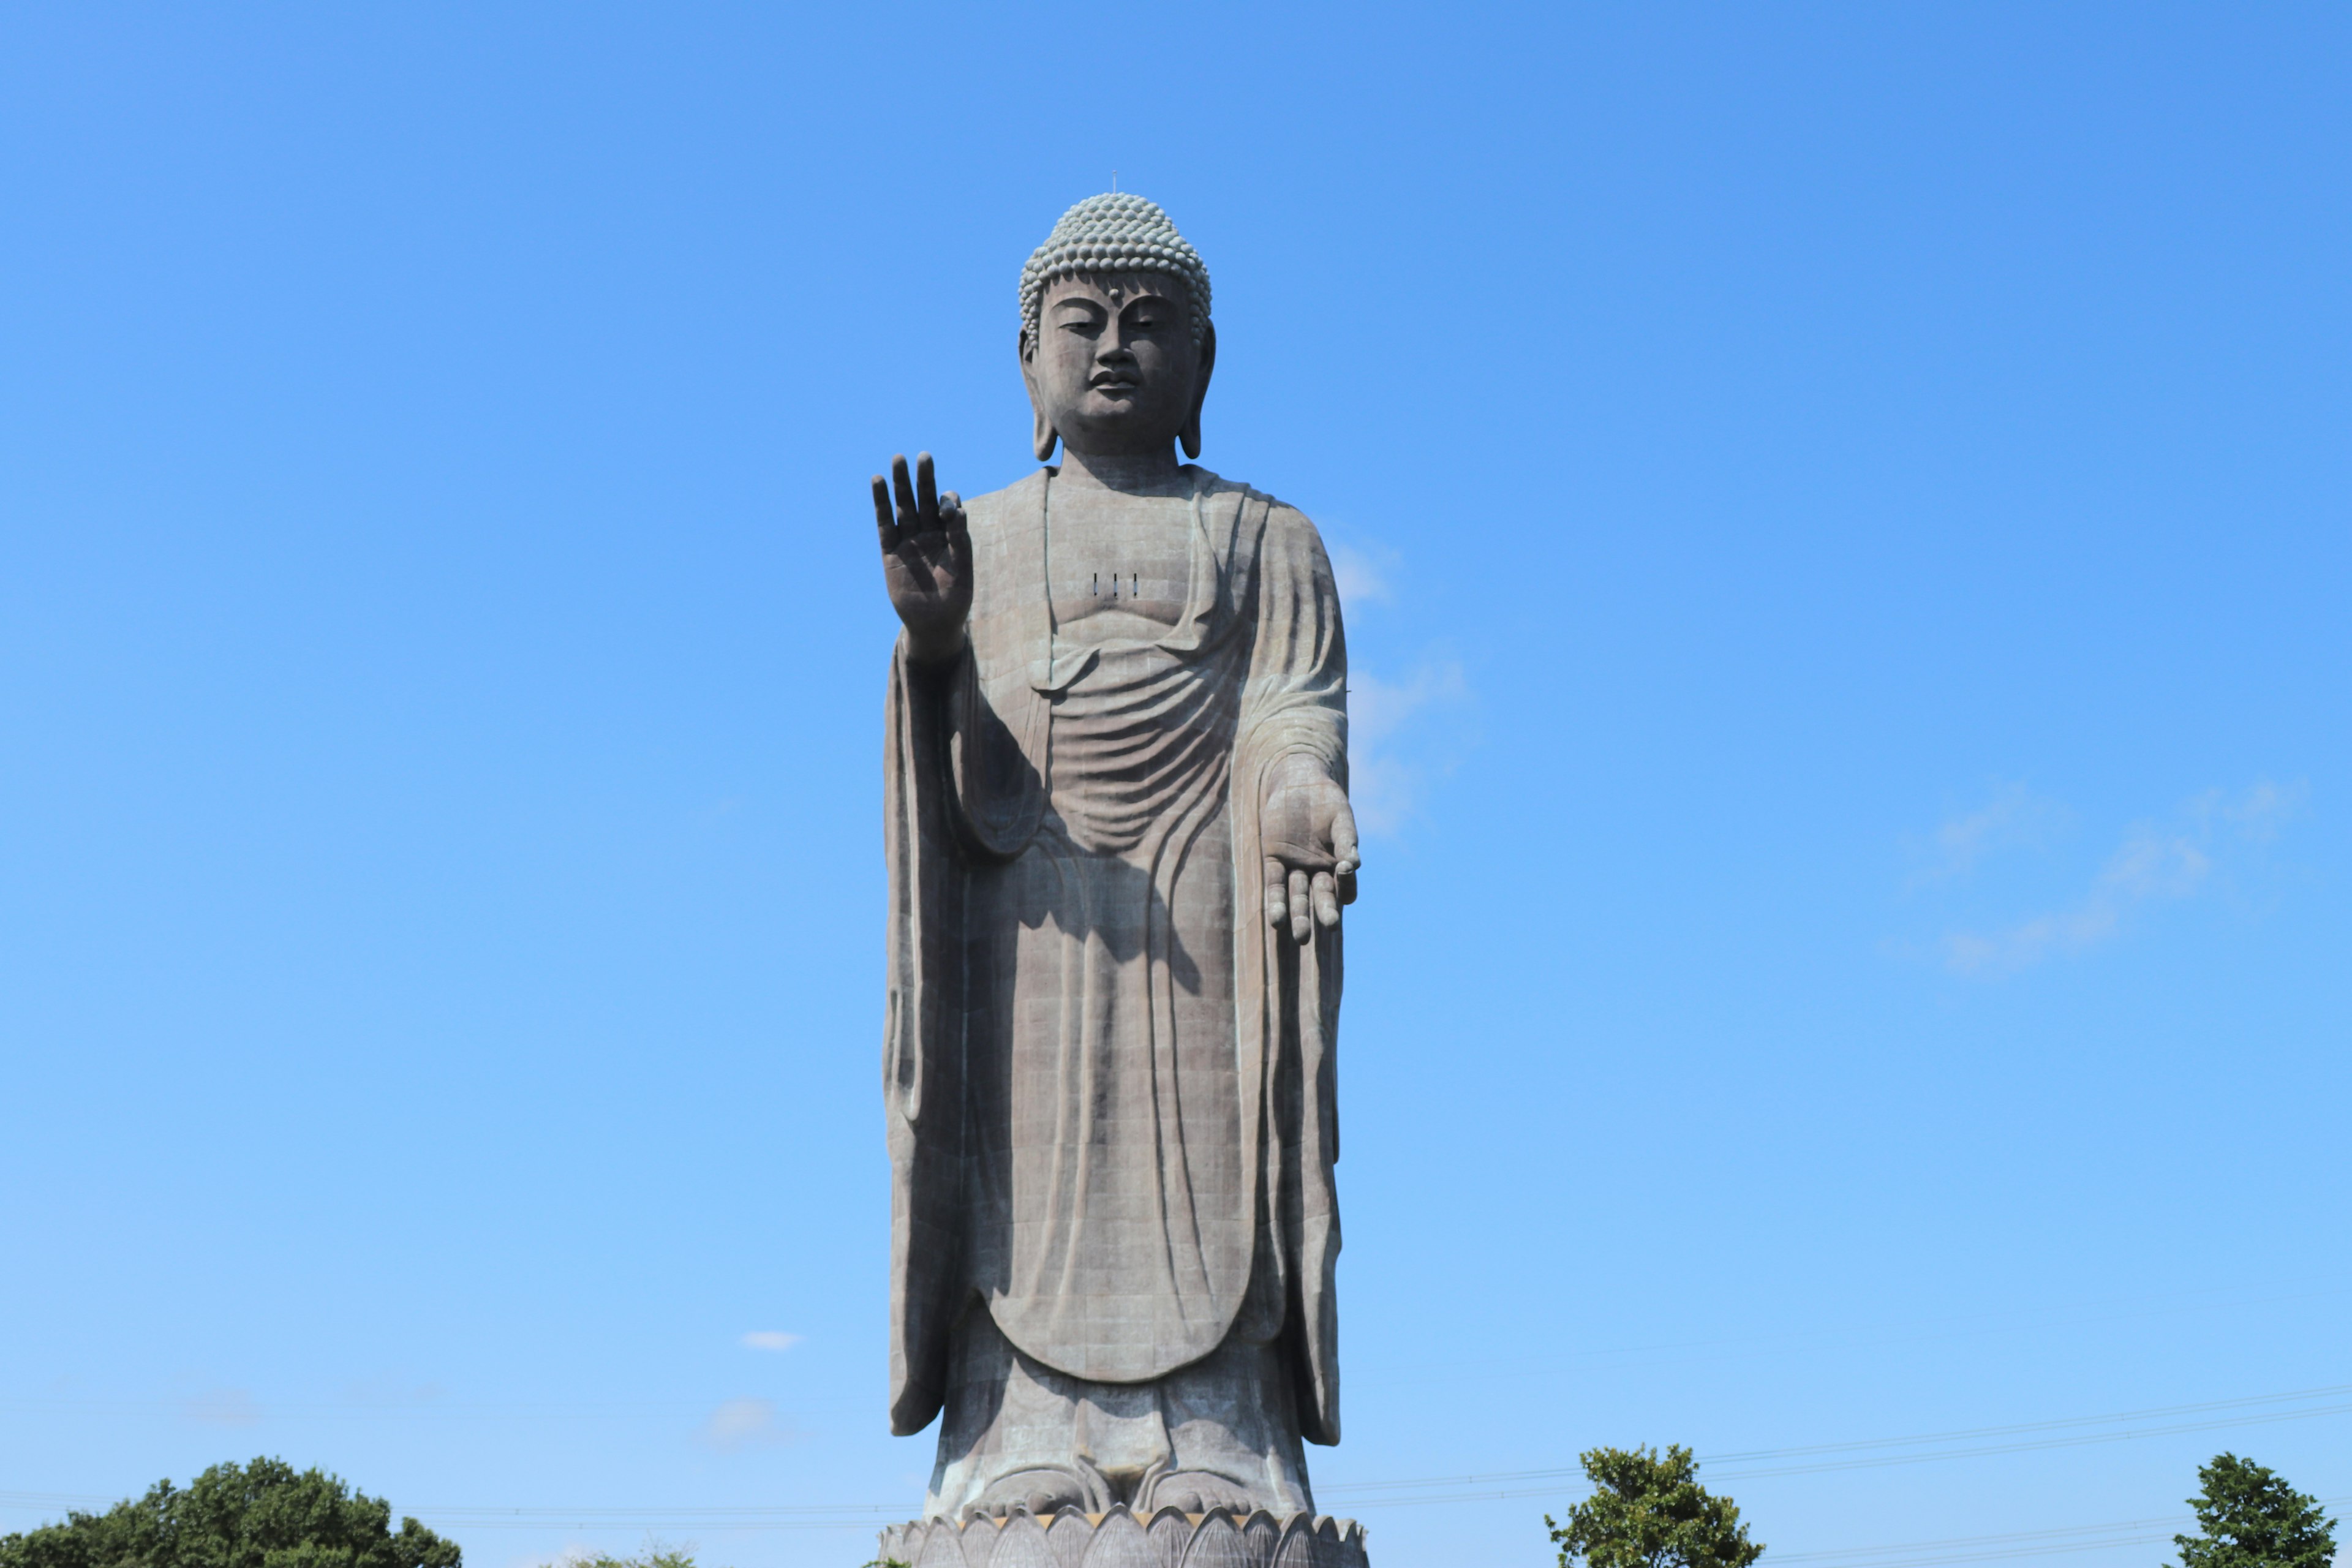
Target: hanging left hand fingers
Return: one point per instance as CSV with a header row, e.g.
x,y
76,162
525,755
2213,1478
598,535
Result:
x,y
1327,900
1311,849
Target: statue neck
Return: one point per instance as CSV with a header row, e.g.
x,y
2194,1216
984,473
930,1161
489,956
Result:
x,y
1135,473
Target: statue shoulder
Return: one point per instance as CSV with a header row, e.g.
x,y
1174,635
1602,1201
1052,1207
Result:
x,y
988,512
1281,517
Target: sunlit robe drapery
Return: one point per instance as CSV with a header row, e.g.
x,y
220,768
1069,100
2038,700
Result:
x,y
1108,1083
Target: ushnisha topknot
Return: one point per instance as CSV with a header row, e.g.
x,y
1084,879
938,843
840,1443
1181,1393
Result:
x,y
1115,232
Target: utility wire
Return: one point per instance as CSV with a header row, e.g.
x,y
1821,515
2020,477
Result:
x,y
2019,1544
1745,1464
1749,1458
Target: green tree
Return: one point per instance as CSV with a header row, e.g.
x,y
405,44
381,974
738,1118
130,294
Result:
x,y
262,1515
1650,1512
654,1555
2248,1518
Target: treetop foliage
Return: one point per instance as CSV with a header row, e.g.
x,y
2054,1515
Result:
x,y
262,1515
1647,1511
654,1555
2250,1517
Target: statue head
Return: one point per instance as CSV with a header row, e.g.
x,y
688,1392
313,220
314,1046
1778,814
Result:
x,y
1116,342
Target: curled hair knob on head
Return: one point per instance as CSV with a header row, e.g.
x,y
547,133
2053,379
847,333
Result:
x,y
1115,232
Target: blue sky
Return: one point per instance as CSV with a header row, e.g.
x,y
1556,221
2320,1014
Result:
x,y
1844,518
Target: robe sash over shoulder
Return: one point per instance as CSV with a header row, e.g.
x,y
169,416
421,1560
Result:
x,y
1116,1203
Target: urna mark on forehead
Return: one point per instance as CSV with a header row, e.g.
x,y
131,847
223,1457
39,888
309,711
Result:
x,y
1116,236
1118,288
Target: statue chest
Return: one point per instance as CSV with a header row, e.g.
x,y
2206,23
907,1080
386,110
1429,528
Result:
x,y
1119,568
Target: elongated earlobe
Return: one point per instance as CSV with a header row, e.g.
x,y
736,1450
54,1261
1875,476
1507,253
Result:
x,y
1190,437
1044,436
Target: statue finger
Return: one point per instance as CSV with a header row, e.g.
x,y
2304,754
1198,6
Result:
x,y
926,492
959,527
1327,900
908,518
1347,880
889,530
1345,851
1302,918
1278,909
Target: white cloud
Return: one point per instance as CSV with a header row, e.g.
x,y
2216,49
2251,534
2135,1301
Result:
x,y
1383,783
2262,810
743,1424
2014,816
771,1340
222,1408
2155,864
1363,574
389,1391
1390,753
2148,866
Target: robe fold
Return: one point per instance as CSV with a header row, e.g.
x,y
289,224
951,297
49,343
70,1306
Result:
x,y
1109,1084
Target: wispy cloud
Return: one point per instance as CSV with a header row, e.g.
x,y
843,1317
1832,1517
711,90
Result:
x,y
389,1391
2014,816
743,1424
1384,781
1363,572
2260,812
2148,866
1393,747
771,1340
2156,862
222,1408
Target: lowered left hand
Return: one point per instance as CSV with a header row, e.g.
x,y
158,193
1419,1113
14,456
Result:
x,y
1311,847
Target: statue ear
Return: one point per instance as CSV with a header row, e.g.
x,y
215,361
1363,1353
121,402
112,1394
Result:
x,y
1042,435
1190,435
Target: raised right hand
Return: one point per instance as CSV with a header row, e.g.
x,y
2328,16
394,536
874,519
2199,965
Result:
x,y
925,560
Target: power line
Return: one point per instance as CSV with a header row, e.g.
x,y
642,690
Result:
x,y
1911,1330
2019,1544
244,1415
1755,1462
2015,1538
2329,1391
686,1515
1745,1464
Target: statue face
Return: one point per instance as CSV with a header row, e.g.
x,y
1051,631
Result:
x,y
1115,368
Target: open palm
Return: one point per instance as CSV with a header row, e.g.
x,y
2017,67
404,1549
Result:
x,y
1311,855
926,559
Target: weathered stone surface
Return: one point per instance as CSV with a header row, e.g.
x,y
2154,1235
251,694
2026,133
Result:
x,y
1117,1539
1119,841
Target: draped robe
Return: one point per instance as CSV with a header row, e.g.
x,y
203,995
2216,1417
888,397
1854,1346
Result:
x,y
1108,1082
